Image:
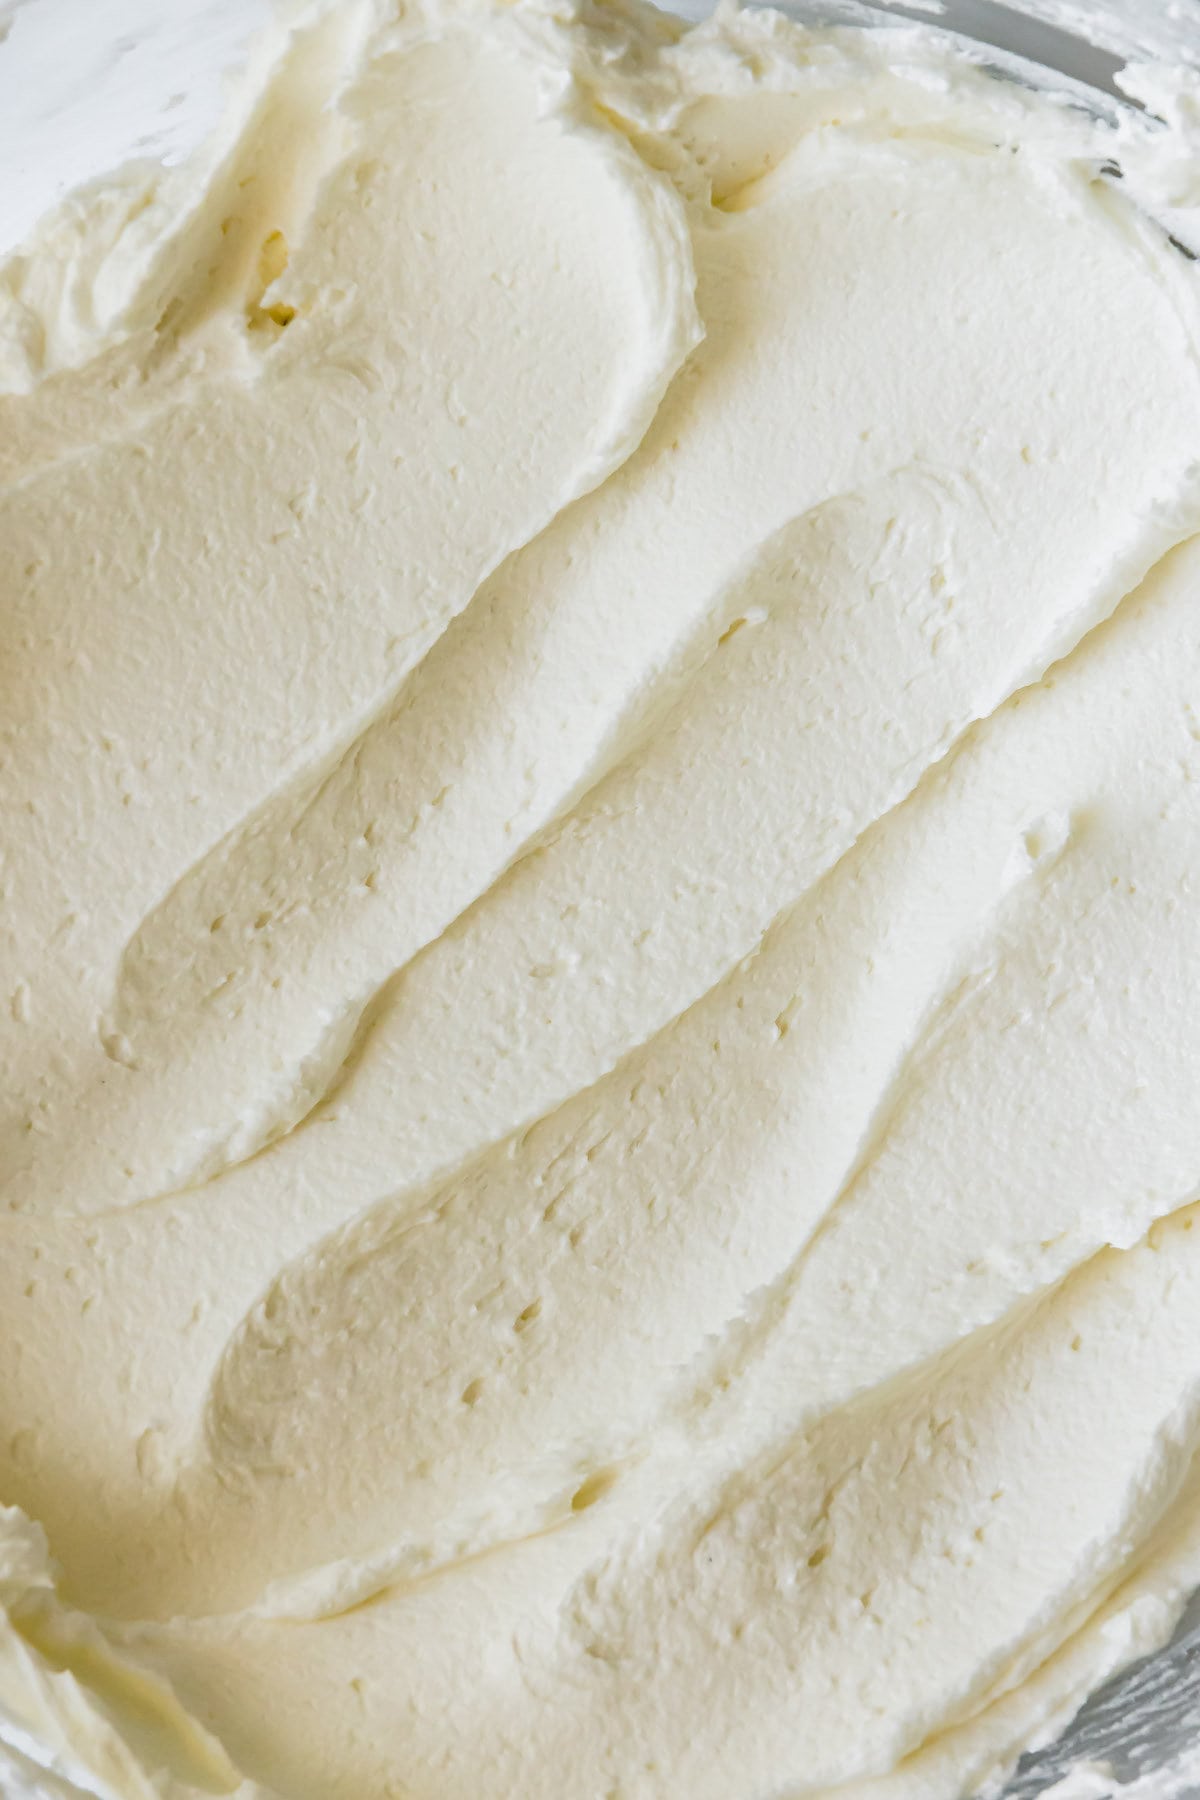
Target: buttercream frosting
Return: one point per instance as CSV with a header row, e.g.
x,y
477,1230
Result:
x,y
601,774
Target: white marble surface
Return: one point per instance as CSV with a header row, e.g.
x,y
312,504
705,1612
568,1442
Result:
x,y
87,85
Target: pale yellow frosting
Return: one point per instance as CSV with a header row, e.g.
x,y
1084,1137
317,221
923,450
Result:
x,y
600,972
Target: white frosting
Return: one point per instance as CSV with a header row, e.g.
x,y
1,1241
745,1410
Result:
x,y
598,1032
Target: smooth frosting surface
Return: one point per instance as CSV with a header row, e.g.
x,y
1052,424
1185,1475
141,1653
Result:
x,y
599,968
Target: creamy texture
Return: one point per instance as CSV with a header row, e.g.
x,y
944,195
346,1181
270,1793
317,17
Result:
x,y
601,772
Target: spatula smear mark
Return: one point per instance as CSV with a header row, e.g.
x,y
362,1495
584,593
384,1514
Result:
x,y
240,992
341,508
